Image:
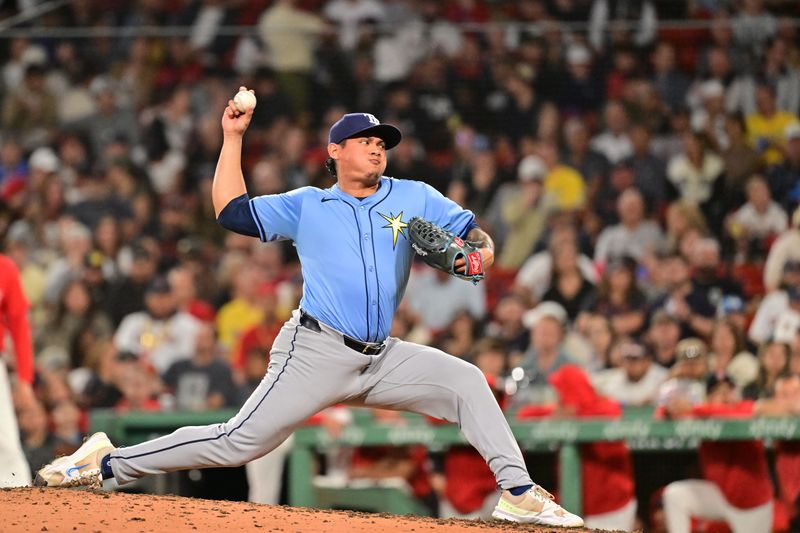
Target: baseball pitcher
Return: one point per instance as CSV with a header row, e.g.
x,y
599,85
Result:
x,y
354,241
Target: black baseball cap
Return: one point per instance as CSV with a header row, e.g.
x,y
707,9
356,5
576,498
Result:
x,y
159,285
791,265
364,125
713,380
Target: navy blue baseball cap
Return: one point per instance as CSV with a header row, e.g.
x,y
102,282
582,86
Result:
x,y
363,125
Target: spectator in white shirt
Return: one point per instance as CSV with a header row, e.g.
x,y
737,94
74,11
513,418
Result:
x,y
160,335
785,248
614,142
636,381
633,236
350,15
694,172
778,316
761,217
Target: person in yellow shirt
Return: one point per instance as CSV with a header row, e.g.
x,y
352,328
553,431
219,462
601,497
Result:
x,y
242,311
766,127
563,183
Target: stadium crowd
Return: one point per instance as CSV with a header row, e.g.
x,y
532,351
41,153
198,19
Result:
x,y
642,186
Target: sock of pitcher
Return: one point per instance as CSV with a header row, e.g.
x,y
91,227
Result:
x,y
516,491
105,467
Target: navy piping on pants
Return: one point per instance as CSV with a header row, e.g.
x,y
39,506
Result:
x,y
296,328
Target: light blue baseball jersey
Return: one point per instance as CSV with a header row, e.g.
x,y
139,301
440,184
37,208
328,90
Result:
x,y
355,254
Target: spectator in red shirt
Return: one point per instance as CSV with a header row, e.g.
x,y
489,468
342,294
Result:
x,y
609,500
735,484
14,470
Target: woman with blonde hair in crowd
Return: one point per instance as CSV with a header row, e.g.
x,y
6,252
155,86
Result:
x,y
682,216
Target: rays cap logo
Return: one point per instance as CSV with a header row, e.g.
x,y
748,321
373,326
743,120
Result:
x,y
364,125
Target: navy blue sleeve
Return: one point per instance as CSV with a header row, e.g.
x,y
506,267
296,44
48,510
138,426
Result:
x,y
237,217
469,228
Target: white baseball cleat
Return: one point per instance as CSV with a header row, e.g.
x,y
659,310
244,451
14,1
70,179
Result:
x,y
535,506
81,469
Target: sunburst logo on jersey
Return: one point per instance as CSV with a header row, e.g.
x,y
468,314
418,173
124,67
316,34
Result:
x,y
396,224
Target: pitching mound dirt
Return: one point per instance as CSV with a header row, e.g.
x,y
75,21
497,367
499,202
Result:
x,y
68,510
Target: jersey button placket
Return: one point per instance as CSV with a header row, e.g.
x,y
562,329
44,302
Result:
x,y
372,289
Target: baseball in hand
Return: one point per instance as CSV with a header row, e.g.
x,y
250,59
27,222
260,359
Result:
x,y
244,100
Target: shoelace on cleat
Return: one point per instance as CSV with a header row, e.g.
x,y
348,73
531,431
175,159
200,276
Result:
x,y
542,493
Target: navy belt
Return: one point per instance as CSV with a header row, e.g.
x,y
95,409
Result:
x,y
309,322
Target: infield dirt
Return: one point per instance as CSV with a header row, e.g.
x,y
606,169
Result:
x,y
67,510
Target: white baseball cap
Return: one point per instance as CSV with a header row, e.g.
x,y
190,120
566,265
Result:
x,y
712,89
44,159
531,168
547,309
577,54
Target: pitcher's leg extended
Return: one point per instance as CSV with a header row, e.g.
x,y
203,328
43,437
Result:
x,y
425,380
307,372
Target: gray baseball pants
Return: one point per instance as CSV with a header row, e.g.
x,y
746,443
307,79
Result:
x,y
311,370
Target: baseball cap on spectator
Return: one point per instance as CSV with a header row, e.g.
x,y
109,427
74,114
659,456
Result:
x,y
712,89
577,54
21,232
662,317
791,265
729,304
792,131
159,285
34,54
139,252
100,85
44,159
531,168
552,310
632,350
691,348
624,262
127,355
363,125
713,380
